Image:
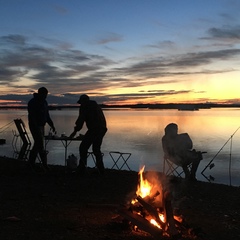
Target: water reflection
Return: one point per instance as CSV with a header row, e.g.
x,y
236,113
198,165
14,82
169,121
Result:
x,y
140,132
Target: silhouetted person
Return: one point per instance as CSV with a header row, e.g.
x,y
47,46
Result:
x,y
38,116
92,115
178,149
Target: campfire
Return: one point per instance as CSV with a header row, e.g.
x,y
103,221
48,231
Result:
x,y
151,210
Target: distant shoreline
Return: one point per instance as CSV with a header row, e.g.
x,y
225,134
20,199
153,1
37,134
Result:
x,y
179,106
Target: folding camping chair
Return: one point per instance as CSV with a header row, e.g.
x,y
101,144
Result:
x,y
172,169
23,154
26,143
118,157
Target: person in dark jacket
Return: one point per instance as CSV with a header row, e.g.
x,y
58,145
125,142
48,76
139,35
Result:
x,y
92,115
178,149
38,116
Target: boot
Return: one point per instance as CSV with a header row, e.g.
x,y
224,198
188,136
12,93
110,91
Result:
x,y
82,166
32,158
99,163
194,168
43,156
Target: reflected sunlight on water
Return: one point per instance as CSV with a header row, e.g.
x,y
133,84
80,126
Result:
x,y
140,131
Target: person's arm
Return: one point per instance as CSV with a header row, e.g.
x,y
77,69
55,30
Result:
x,y
49,120
79,122
51,124
184,141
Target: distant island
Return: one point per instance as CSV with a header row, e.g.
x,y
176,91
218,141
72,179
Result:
x,y
178,106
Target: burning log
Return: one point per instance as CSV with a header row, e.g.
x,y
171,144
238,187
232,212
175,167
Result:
x,y
168,214
151,199
142,223
151,215
151,210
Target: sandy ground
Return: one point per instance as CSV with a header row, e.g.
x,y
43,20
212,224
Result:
x,y
62,205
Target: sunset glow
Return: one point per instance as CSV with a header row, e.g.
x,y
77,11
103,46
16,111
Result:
x,y
121,52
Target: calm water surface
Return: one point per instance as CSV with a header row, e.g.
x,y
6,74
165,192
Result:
x,y
140,131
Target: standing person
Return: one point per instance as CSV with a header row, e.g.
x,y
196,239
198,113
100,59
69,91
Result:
x,y
38,116
90,113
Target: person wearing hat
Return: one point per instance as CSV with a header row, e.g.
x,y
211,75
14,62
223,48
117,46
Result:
x,y
38,116
92,115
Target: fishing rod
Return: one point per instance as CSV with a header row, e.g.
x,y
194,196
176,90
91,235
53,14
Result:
x,y
5,127
209,164
230,165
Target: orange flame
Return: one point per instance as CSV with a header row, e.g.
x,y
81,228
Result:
x,y
144,187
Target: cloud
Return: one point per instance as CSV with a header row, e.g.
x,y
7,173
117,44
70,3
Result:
x,y
141,95
67,71
182,64
163,45
45,64
6,75
13,39
108,38
204,58
227,34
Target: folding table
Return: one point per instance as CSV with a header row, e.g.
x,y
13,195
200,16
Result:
x,y
65,141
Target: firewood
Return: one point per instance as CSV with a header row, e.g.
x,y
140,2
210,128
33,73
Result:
x,y
151,210
151,199
142,224
168,215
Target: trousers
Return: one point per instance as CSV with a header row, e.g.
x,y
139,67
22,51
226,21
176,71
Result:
x,y
94,138
38,146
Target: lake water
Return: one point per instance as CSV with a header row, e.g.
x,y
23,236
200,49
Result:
x,y
139,132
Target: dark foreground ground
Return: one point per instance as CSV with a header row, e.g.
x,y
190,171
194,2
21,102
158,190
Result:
x,y
61,205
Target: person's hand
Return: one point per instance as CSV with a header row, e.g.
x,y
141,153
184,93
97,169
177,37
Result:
x,y
53,129
72,134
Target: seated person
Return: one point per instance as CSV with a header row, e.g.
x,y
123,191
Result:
x,y
178,149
